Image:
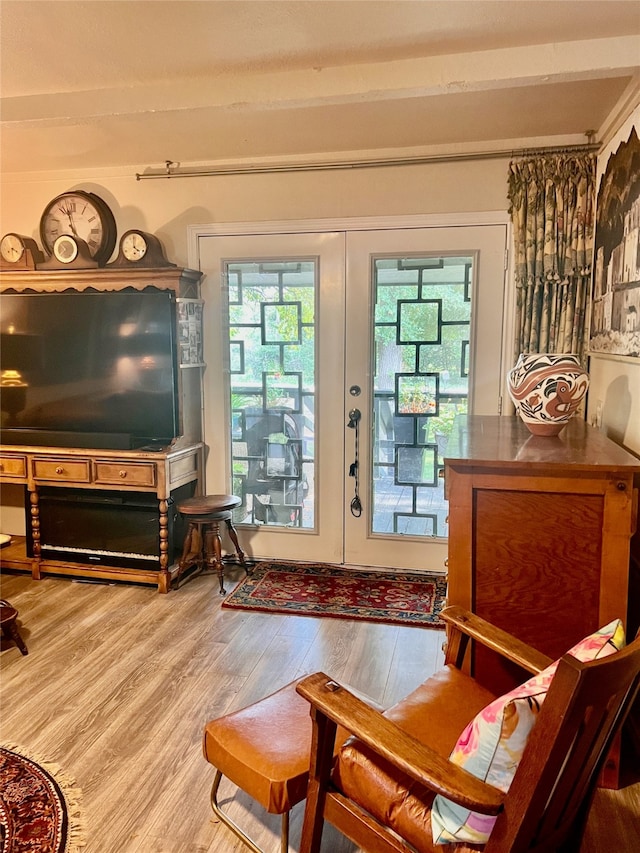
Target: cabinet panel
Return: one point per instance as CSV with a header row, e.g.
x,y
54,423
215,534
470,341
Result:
x,y
535,552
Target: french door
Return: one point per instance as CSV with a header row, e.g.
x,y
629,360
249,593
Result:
x,y
337,362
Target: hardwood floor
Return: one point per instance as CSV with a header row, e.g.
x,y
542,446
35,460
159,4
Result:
x,y
120,680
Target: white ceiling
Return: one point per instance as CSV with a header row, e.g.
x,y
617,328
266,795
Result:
x,y
113,83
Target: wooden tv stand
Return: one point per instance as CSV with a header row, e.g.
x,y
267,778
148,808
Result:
x,y
158,473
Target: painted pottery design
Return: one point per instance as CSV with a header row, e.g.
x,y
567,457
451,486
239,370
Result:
x,y
547,389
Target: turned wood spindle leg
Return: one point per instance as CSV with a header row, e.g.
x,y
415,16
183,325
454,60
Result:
x,y
164,580
35,533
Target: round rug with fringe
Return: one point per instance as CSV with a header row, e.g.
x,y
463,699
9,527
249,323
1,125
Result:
x,y
39,805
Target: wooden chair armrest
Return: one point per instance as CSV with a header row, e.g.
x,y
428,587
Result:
x,y
463,625
399,748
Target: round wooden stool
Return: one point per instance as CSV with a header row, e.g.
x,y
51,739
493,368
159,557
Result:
x,y
202,544
8,616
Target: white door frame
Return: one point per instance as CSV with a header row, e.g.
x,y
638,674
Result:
x,y
361,223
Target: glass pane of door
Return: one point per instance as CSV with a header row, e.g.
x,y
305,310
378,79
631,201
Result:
x,y
421,339
271,339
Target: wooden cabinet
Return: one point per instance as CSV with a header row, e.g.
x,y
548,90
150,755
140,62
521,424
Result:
x,y
539,538
112,472
539,533
147,479
116,473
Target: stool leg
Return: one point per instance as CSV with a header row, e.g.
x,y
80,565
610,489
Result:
x,y
191,551
213,550
239,552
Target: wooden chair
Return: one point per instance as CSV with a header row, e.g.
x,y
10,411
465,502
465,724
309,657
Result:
x,y
8,616
405,752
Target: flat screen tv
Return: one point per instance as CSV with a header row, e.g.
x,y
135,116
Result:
x,y
89,369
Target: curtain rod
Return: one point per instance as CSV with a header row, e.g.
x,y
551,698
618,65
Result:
x,y
171,169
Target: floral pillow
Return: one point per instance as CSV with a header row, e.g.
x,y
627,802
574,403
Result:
x,y
491,746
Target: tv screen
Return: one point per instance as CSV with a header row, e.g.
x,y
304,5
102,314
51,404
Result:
x,y
100,365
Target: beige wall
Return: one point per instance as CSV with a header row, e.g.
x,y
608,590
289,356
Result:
x,y
166,207
615,382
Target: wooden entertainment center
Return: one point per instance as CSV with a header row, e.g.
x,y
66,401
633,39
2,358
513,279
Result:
x,y
157,473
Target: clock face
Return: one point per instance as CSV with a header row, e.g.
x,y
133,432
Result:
x,y
65,249
11,248
82,215
134,246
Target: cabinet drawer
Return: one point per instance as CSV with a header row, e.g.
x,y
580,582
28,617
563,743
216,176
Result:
x,y
126,474
13,466
62,470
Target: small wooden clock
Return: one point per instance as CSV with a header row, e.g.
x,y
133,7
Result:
x,y
19,253
70,253
140,249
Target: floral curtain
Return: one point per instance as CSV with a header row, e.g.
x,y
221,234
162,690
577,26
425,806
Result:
x,y
552,207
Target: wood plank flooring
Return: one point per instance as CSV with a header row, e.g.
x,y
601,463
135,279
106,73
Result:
x,y
120,680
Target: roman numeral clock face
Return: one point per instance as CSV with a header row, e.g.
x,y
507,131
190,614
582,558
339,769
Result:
x,y
83,215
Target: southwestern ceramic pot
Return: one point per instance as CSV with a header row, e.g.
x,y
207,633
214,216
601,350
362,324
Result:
x,y
547,389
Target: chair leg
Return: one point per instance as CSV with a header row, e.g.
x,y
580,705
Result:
x,y
284,833
228,822
322,745
11,632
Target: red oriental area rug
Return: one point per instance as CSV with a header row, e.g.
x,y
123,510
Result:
x,y
316,589
39,807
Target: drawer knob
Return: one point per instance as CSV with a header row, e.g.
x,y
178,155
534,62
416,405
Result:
x,y
621,487
123,474
59,470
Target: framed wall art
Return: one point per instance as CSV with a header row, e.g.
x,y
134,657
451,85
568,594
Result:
x,y
190,332
615,310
